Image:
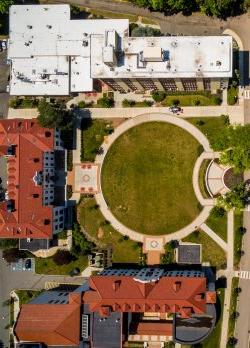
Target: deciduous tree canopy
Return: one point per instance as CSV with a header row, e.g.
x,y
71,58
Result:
x,y
221,9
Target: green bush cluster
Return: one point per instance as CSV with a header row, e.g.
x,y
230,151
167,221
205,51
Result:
x,y
23,103
221,9
128,103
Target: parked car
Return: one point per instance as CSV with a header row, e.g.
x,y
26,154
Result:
x,y
27,264
175,109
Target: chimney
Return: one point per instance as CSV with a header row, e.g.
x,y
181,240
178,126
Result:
x,y
116,285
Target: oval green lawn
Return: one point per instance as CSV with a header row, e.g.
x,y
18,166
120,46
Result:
x,y
147,178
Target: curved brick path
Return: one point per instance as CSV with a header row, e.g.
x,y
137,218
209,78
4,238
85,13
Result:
x,y
134,235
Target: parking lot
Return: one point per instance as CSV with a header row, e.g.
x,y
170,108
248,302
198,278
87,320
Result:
x,y
23,265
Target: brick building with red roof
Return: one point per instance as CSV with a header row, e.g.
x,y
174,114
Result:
x,y
147,305
28,152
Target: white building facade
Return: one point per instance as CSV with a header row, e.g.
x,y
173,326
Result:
x,y
52,54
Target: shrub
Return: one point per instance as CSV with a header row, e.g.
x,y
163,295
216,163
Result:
x,y
176,102
215,99
196,102
69,191
200,123
127,103
232,95
62,257
82,104
105,102
217,212
14,103
158,96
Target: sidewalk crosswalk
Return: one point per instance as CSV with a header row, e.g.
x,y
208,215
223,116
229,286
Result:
x,y
243,274
247,93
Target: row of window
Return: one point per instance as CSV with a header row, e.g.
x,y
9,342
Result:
x,y
167,84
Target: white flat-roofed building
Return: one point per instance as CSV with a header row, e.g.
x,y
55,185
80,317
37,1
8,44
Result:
x,y
52,54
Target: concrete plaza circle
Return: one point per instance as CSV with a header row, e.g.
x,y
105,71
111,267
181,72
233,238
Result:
x,y
130,123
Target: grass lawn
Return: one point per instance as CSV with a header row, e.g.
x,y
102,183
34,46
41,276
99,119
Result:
x,y
48,266
202,178
214,339
27,295
189,100
210,126
124,251
93,132
147,178
211,251
233,306
238,222
218,225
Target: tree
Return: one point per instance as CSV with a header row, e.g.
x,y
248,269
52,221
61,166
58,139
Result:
x,y
222,8
232,341
234,142
157,5
4,6
62,257
182,5
11,255
237,290
54,115
81,245
145,31
236,198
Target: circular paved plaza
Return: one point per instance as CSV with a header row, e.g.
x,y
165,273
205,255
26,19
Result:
x,y
146,177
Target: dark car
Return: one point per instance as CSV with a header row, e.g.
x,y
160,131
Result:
x,y
74,272
175,109
27,264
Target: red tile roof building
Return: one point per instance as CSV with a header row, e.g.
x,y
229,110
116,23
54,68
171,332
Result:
x,y
123,307
29,150
51,324
182,295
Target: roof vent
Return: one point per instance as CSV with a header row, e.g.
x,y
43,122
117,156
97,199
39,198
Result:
x,y
174,44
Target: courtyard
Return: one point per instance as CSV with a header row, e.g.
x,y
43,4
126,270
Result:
x,y
147,178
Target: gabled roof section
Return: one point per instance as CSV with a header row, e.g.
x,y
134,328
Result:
x,y
51,324
28,141
169,294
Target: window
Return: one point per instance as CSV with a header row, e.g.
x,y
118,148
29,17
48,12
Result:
x,y
147,84
189,84
168,85
207,84
114,85
130,84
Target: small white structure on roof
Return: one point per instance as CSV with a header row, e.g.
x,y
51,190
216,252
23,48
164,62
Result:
x,y
53,55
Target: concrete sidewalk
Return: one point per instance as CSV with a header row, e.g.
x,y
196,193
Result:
x,y
235,112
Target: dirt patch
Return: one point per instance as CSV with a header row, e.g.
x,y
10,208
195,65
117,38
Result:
x,y
100,233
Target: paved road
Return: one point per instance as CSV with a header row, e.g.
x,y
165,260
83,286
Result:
x,y
243,322
10,280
